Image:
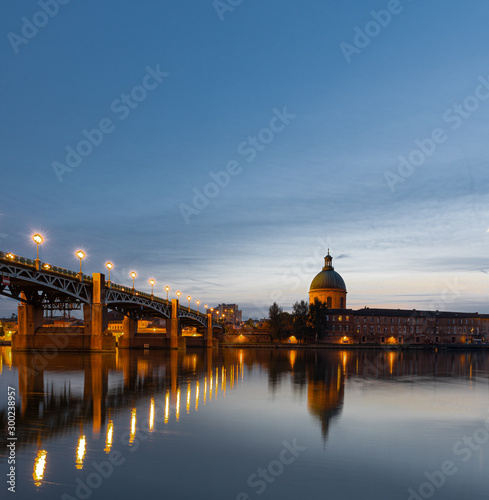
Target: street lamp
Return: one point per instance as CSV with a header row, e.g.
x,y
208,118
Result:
x,y
81,255
205,307
133,276
189,298
38,240
152,283
198,305
109,266
178,294
167,289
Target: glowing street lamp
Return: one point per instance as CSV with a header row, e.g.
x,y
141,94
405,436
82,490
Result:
x,y
178,294
198,305
133,276
167,289
109,266
205,307
189,298
81,255
38,240
152,283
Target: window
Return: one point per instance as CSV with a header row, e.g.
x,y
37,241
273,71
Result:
x,y
437,339
453,340
382,340
400,340
363,339
417,340
342,303
328,302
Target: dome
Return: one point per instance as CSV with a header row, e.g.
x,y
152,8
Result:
x,y
328,277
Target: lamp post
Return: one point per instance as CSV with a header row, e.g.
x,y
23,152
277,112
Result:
x,y
198,305
167,289
109,266
152,283
133,276
178,294
38,240
189,298
205,307
81,255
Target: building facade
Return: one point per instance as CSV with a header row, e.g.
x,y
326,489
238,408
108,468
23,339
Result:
x,y
390,326
230,313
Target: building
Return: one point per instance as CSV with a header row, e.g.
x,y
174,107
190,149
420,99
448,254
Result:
x,y
390,326
328,286
230,313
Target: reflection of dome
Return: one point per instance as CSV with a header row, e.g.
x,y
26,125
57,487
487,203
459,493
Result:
x,y
328,286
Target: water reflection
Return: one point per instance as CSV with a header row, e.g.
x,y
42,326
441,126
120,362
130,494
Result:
x,y
75,394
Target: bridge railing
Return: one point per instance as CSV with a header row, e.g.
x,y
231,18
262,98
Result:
x,y
44,266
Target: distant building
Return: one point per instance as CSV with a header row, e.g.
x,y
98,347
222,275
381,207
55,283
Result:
x,y
231,313
390,326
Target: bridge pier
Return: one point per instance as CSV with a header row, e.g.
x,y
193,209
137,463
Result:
x,y
174,327
30,318
208,331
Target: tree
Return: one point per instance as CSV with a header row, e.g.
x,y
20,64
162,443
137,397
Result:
x,y
250,322
300,313
274,315
317,318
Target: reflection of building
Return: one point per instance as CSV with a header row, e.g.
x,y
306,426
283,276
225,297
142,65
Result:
x,y
390,326
231,313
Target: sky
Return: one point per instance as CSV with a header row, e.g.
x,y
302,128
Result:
x,y
221,147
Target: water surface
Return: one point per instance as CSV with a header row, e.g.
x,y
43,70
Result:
x,y
249,423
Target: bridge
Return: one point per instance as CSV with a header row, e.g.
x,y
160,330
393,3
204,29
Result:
x,y
40,286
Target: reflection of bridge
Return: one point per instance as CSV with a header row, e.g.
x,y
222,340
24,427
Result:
x,y
40,286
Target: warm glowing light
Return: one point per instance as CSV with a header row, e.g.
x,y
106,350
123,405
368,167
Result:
x,y
210,386
39,467
189,391
179,293
10,256
109,265
197,391
167,288
37,238
132,433
80,451
205,389
167,407
109,437
80,254
152,415
133,275
177,407
46,266
205,306
292,357
217,381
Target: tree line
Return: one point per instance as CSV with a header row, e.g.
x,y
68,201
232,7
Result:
x,y
306,323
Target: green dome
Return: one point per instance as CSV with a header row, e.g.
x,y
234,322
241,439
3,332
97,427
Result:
x,y
328,277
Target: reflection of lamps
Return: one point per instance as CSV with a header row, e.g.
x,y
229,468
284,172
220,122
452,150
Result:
x,y
39,467
80,451
109,437
38,240
81,255
167,289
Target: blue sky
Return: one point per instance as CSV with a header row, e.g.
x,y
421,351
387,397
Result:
x,y
300,116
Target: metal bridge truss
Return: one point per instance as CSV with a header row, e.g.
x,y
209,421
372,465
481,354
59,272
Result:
x,y
41,287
